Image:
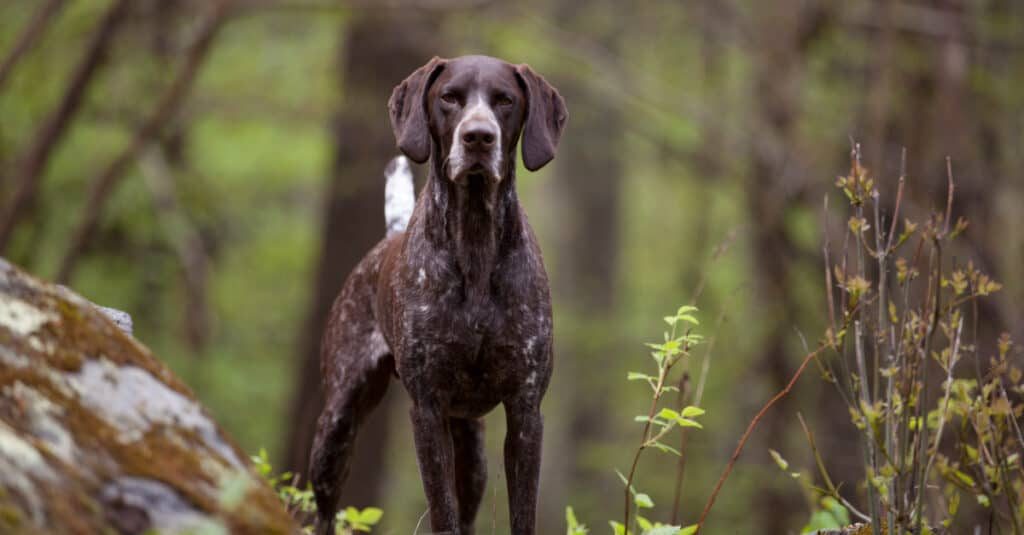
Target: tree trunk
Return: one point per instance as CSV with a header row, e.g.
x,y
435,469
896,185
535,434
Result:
x,y
584,278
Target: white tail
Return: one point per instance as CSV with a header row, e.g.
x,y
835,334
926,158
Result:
x,y
399,199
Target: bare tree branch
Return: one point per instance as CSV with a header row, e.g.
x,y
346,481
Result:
x,y
103,184
187,242
33,164
29,36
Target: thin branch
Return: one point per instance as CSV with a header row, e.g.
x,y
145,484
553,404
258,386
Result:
x,y
949,196
899,200
953,357
103,184
32,166
750,429
35,29
187,242
922,438
820,462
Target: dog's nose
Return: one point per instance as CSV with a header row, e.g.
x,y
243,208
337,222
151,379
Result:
x,y
479,136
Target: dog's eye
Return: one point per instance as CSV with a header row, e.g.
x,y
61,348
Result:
x,y
503,100
450,98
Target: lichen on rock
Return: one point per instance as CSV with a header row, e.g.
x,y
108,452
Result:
x,y
98,436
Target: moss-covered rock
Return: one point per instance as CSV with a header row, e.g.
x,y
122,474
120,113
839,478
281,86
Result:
x,y
98,436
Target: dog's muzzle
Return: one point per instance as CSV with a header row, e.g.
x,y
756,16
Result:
x,y
476,147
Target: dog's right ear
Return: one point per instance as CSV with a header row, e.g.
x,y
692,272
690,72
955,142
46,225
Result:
x,y
408,110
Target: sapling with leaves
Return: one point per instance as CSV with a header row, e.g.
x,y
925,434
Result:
x,y
657,424
660,421
890,334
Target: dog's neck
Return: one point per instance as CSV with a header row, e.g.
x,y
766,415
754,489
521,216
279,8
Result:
x,y
477,223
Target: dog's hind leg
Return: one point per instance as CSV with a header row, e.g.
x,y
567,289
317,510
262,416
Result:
x,y
362,382
470,469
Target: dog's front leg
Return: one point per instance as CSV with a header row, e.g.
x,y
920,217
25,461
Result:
x,y
522,462
434,453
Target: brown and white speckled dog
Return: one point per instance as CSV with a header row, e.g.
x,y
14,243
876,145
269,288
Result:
x,y
455,300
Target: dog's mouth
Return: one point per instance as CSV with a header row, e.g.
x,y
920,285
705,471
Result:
x,y
476,174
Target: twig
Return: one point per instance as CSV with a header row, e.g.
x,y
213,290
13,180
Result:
x,y
750,430
922,428
682,400
35,29
420,521
949,195
32,166
103,184
948,394
832,489
646,437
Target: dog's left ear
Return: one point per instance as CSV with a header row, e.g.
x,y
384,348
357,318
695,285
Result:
x,y
407,108
545,118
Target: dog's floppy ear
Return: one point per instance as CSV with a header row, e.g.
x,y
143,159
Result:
x,y
408,110
545,118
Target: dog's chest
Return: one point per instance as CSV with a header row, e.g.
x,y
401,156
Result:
x,y
476,348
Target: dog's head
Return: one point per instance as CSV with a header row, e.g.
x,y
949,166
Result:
x,y
472,110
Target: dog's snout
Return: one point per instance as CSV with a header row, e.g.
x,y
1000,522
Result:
x,y
479,136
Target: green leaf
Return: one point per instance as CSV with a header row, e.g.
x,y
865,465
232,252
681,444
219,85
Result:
x,y
617,528
666,448
637,376
821,520
662,529
689,319
573,527
837,509
570,517
668,414
832,515
966,479
686,422
783,464
371,515
688,530
643,501
692,412
644,524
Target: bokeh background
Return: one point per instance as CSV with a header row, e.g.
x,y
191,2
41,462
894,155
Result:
x,y
215,169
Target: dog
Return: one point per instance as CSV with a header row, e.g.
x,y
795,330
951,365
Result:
x,y
455,300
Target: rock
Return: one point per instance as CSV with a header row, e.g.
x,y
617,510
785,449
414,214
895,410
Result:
x,y
122,319
98,436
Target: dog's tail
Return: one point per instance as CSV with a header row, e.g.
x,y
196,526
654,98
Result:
x,y
399,199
